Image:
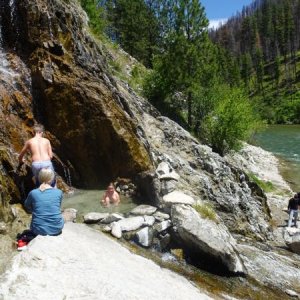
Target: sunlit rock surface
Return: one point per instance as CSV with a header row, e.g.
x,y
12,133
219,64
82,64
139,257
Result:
x,y
83,263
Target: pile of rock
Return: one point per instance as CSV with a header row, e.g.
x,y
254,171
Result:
x,y
144,224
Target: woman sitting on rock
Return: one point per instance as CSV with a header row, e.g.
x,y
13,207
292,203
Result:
x,y
111,196
45,205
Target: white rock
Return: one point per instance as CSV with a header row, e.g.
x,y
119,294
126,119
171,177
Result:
x,y
116,230
149,220
132,223
143,210
178,197
145,236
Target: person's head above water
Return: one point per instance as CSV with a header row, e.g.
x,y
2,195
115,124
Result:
x,y
110,188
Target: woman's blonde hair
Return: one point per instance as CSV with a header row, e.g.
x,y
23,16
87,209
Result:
x,y
46,175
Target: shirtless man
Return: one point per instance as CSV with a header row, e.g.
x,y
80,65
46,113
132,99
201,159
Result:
x,y
41,152
111,196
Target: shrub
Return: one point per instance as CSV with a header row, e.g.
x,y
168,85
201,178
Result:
x,y
231,120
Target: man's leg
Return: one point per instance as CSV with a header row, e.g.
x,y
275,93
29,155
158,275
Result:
x,y
295,217
290,217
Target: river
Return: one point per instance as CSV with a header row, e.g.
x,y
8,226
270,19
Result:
x,y
284,142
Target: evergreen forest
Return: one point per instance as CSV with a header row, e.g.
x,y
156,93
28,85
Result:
x,y
222,84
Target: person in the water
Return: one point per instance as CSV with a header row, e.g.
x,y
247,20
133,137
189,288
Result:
x,y
111,196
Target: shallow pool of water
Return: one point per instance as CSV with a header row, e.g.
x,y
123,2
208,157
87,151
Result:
x,y
86,201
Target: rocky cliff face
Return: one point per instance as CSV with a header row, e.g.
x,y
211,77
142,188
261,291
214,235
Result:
x,y
53,72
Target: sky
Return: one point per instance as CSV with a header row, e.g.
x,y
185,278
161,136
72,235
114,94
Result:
x,y
220,10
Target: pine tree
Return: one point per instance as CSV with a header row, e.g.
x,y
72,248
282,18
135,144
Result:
x,y
186,44
134,25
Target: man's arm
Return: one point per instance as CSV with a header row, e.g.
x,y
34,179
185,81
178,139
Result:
x,y
23,151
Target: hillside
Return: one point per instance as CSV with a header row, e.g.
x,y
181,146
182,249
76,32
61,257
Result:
x,y
264,39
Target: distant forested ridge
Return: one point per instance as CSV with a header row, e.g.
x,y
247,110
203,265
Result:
x,y
265,40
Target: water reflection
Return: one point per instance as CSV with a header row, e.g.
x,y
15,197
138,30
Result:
x,y
86,201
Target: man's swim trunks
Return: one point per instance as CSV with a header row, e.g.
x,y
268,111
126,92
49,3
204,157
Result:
x,y
37,166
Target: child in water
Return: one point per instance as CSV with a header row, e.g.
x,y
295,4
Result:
x,y
111,196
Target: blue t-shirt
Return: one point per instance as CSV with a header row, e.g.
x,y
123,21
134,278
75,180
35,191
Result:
x,y
46,212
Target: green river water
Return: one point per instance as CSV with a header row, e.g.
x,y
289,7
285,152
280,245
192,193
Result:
x,y
284,142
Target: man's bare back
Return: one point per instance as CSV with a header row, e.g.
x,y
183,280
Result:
x,y
39,147
41,152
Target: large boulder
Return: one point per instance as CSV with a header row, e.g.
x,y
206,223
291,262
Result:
x,y
278,269
207,238
83,263
292,239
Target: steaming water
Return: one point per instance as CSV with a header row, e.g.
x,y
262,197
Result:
x,y
86,201
284,142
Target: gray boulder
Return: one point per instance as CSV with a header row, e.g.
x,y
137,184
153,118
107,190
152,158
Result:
x,y
94,217
272,269
206,237
126,224
160,216
145,236
149,220
177,197
112,218
143,210
159,227
292,239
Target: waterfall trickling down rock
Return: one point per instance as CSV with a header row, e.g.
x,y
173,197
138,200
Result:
x,y
53,72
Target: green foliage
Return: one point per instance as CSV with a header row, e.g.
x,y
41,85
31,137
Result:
x,y
133,24
206,211
267,186
231,120
186,60
96,15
